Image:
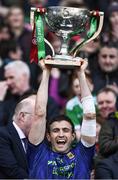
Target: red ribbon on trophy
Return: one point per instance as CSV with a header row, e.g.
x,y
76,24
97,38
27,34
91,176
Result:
x,y
34,50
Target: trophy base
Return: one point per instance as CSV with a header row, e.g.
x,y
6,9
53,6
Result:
x,y
63,61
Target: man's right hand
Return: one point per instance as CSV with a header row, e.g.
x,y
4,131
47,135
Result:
x,y
3,90
44,66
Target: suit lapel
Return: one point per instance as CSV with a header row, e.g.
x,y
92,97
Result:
x,y
17,141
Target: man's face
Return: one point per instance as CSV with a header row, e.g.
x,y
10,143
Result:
x,y
108,59
14,80
106,103
61,136
26,115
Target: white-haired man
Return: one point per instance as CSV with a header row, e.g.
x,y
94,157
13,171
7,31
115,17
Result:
x,y
16,85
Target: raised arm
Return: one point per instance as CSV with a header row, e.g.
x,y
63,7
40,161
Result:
x,y
38,127
88,129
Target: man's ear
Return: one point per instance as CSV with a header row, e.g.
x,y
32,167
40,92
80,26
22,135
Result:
x,y
48,136
21,117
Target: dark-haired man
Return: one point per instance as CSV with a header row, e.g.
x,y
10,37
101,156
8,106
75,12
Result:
x,y
106,72
57,159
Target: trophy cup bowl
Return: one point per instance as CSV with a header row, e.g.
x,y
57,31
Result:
x,y
67,22
63,21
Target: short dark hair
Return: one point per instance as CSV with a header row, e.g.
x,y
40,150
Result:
x,y
59,118
106,90
110,44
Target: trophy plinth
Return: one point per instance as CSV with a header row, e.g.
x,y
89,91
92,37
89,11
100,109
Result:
x,y
63,62
67,22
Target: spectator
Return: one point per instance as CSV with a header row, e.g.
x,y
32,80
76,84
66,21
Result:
x,y
10,51
5,32
74,108
57,159
110,33
5,36
13,161
106,73
109,130
23,35
106,103
16,85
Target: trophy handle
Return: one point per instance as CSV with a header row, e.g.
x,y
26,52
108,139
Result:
x,y
101,15
101,19
49,44
32,18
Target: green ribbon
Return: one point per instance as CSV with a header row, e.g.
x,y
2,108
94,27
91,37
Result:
x,y
93,28
40,35
90,33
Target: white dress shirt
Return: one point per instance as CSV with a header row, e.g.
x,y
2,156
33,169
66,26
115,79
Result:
x,y
21,134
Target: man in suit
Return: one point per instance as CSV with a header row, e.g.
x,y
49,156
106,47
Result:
x,y
13,162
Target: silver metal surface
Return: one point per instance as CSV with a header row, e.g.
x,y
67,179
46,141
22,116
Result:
x,y
64,20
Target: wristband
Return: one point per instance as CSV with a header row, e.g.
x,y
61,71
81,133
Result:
x,y
88,128
88,105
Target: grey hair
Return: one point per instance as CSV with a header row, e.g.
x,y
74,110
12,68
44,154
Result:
x,y
19,66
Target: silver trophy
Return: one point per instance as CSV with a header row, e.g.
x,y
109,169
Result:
x,y
68,22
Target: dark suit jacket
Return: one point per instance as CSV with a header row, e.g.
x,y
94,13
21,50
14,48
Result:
x,y
107,168
13,162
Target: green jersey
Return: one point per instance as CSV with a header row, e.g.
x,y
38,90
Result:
x,y
74,110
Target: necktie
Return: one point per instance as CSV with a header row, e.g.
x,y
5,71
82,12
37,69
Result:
x,y
25,142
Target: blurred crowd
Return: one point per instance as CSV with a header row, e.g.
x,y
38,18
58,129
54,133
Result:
x,y
20,78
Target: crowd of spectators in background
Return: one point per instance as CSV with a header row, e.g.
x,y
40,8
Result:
x,y
20,78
